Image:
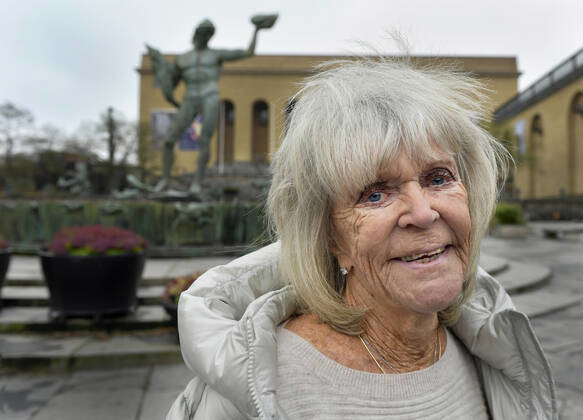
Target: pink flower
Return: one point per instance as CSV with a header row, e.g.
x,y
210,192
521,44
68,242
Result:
x,y
96,240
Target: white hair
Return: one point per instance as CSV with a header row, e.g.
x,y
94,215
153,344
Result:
x,y
349,121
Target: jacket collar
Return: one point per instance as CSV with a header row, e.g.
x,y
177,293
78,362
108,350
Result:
x,y
228,321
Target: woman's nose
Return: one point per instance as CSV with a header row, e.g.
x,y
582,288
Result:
x,y
418,209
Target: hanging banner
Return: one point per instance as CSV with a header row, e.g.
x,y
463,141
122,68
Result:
x,y
161,121
519,129
191,136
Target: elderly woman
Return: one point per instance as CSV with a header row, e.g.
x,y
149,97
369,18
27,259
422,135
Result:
x,y
371,304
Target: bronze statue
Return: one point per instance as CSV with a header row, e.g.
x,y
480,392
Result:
x,y
200,69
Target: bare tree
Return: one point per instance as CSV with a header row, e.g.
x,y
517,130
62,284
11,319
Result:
x,y
84,141
47,138
121,139
14,124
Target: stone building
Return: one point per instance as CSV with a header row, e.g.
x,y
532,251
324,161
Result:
x,y
545,122
255,93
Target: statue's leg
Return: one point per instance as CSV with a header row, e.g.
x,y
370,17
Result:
x,y
182,120
210,118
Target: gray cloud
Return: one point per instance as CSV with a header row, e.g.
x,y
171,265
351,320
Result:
x,y
67,60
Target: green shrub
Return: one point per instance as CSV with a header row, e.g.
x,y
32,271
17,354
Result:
x,y
509,214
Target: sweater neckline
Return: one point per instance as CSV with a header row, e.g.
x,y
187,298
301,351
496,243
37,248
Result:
x,y
398,386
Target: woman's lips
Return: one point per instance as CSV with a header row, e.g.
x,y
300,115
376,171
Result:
x,y
423,255
426,259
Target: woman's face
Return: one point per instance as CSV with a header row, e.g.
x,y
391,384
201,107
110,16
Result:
x,y
405,238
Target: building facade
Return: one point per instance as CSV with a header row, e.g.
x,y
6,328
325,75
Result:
x,y
545,123
255,94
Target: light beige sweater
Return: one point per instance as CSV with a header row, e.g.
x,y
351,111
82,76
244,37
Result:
x,y
312,386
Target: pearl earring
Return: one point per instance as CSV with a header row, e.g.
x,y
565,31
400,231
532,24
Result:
x,y
343,271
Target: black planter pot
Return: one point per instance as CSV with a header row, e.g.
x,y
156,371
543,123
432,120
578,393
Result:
x,y
171,309
4,263
92,286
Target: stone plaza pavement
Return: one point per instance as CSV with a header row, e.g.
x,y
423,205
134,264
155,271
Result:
x,y
146,392
560,332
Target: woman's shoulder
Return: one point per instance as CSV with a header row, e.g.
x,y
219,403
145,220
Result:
x,y
307,326
331,343
314,331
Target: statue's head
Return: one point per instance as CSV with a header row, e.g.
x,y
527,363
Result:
x,y
203,33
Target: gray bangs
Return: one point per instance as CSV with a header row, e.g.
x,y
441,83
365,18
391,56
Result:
x,y
351,132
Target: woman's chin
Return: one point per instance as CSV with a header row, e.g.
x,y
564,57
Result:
x,y
429,296
428,289
431,301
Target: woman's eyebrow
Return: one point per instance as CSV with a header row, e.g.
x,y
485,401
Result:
x,y
440,162
375,184
382,183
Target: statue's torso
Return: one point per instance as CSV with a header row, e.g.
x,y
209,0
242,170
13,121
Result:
x,y
200,71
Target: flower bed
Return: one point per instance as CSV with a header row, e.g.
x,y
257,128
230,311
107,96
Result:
x,y
173,290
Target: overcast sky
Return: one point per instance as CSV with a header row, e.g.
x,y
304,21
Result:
x,y
67,60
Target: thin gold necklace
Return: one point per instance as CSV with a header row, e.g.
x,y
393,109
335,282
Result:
x,y
369,352
436,352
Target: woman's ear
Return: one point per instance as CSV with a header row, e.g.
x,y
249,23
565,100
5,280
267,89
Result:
x,y
344,262
343,259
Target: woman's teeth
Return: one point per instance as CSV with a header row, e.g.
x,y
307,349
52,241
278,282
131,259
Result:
x,y
424,258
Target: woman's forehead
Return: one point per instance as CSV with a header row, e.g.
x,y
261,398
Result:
x,y
404,160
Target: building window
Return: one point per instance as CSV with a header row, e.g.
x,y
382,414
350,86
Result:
x,y
575,148
535,155
260,132
226,138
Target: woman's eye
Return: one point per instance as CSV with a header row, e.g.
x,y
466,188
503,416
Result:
x,y
438,180
375,193
374,197
439,177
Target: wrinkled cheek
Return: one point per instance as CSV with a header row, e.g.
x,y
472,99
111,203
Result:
x,y
354,235
343,234
374,269
465,241
372,251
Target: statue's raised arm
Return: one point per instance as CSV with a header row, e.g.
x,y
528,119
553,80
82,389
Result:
x,y
260,22
167,74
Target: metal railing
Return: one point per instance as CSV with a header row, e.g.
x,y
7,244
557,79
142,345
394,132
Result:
x,y
558,77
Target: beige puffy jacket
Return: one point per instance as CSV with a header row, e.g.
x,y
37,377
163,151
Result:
x,y
227,322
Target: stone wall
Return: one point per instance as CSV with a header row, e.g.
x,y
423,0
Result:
x,y
29,224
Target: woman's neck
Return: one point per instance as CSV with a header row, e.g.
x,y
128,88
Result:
x,y
404,340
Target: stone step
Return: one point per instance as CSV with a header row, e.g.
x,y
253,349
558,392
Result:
x,y
521,277
544,301
37,319
39,295
26,270
40,282
61,353
493,265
